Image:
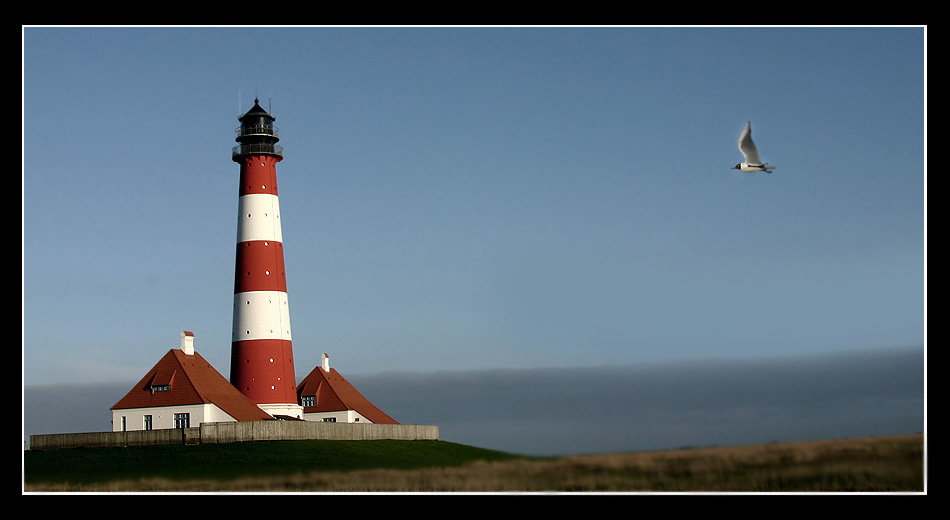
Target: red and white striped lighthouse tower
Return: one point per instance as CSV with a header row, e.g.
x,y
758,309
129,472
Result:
x,y
262,358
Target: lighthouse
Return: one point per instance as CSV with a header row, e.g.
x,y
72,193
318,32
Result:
x,y
262,358
183,390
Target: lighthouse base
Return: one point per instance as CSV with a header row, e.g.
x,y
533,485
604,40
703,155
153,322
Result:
x,y
286,409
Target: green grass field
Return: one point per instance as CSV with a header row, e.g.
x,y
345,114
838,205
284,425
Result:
x,y
877,464
243,459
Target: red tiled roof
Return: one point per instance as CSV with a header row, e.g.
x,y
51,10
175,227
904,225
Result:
x,y
192,380
335,394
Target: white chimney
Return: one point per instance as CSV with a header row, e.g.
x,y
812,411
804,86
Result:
x,y
188,342
325,361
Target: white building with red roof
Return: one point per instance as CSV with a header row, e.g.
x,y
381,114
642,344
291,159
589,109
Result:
x,y
180,391
327,396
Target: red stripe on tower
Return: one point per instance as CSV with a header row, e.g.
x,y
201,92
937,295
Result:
x,y
262,360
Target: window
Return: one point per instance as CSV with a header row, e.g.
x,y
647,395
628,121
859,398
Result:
x,y
308,400
147,422
123,423
160,388
329,419
182,420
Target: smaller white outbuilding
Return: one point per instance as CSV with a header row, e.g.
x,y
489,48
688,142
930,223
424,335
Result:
x,y
327,396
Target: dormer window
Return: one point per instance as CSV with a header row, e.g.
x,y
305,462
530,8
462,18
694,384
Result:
x,y
308,400
164,377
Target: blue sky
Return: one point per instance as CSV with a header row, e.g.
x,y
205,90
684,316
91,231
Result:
x,y
477,198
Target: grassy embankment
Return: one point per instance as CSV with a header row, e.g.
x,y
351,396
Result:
x,y
868,464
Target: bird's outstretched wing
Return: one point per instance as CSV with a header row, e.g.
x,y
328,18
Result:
x,y
747,147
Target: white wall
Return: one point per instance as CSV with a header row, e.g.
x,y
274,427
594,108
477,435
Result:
x,y
163,417
344,416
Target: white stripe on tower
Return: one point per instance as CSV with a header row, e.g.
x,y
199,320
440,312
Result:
x,y
261,306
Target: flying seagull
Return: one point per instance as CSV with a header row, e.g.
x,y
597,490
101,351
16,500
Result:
x,y
747,147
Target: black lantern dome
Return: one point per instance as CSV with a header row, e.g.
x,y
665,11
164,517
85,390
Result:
x,y
257,135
